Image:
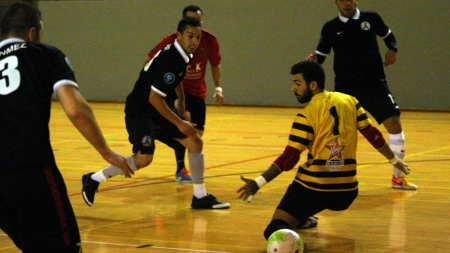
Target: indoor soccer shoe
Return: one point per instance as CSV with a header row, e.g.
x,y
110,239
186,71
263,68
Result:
x,y
311,222
208,202
402,183
90,187
183,176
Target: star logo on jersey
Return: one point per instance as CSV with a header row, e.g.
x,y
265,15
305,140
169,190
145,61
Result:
x,y
335,149
365,26
197,67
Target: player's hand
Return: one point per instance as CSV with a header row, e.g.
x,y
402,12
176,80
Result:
x,y
403,167
312,57
219,97
187,128
390,58
121,162
248,190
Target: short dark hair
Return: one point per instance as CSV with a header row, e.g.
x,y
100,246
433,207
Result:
x,y
191,21
311,71
193,8
19,18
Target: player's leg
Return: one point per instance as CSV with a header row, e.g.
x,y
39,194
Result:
x,y
201,198
143,141
380,103
45,218
296,209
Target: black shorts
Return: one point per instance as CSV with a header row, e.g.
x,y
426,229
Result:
x,y
35,210
144,130
374,96
197,108
302,202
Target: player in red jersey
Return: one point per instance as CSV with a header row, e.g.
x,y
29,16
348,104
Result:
x,y
192,103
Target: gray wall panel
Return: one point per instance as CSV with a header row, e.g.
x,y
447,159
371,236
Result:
x,y
107,41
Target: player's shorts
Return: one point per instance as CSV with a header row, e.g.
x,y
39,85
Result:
x,y
35,210
302,202
144,130
375,97
197,108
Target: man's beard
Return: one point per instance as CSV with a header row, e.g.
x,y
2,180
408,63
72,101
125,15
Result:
x,y
307,95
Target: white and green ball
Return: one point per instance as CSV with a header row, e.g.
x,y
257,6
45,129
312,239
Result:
x,y
284,241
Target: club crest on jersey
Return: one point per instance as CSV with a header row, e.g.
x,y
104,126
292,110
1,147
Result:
x,y
169,78
365,26
335,160
146,141
202,52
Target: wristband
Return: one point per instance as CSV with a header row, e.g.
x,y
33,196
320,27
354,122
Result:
x,y
393,160
218,89
260,181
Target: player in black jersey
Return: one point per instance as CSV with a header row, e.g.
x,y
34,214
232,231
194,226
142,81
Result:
x,y
150,115
328,129
358,67
35,210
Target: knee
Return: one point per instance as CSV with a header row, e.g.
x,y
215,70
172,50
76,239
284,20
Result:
x,y
393,125
143,161
275,225
197,144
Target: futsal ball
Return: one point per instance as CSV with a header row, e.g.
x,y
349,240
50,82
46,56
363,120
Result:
x,y
284,241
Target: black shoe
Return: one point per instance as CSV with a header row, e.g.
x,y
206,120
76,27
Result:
x,y
89,189
311,222
208,202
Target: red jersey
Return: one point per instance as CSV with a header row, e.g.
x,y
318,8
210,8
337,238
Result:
x,y
208,49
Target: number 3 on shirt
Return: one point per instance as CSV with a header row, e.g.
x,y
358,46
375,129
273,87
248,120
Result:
x,y
9,75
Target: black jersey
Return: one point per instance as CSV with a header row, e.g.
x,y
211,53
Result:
x,y
354,42
162,75
29,73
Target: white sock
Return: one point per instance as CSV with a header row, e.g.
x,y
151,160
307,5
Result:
x,y
397,144
199,190
112,171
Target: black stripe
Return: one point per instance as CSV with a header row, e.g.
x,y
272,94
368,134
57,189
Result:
x,y
335,115
361,117
330,174
324,162
303,127
300,140
346,186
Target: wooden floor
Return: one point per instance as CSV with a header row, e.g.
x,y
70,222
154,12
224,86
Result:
x,y
151,212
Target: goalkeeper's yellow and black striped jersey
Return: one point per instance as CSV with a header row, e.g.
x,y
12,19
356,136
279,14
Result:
x,y
327,128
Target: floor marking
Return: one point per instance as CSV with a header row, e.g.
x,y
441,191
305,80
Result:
x,y
154,247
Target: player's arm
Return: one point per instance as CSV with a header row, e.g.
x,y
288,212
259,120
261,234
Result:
x,y
82,117
286,161
217,77
157,100
181,101
391,43
374,136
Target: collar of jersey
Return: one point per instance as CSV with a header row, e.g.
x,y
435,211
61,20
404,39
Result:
x,y
182,53
356,17
10,41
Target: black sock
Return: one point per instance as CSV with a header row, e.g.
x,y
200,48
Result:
x,y
275,225
180,153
